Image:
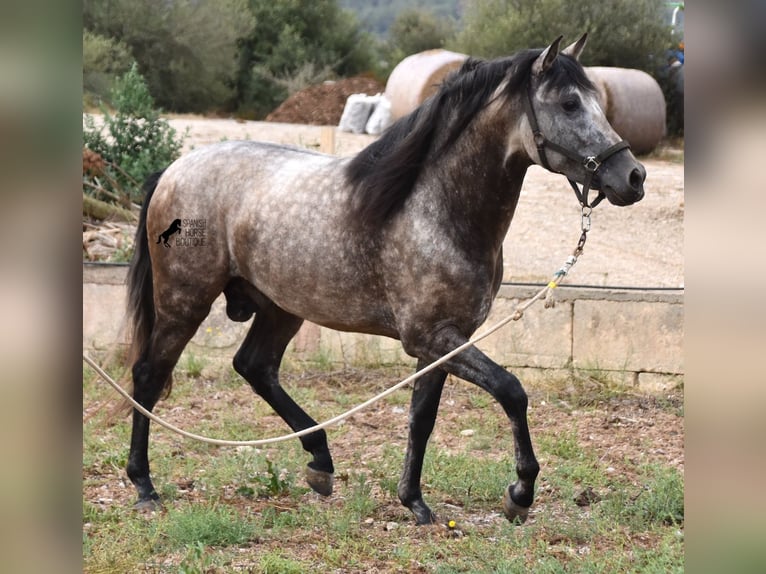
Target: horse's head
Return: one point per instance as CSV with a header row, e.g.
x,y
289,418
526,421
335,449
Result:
x,y
568,132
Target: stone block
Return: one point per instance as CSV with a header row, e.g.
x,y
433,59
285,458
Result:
x,y
541,338
103,315
628,335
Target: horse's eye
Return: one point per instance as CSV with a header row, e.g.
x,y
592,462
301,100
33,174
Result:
x,y
571,105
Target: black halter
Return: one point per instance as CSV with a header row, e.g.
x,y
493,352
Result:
x,y
590,163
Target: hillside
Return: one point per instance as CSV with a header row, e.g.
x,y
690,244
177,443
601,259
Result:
x,y
376,17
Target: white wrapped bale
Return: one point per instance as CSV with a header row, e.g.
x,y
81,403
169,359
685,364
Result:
x,y
418,76
633,103
380,118
357,111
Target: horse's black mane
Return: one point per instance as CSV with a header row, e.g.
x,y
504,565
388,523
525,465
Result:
x,y
384,173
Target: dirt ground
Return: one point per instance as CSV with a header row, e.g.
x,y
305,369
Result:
x,y
638,246
627,430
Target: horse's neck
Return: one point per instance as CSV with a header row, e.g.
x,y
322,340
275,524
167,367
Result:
x,y
481,186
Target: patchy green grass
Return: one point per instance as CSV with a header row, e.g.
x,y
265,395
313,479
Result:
x,y
609,497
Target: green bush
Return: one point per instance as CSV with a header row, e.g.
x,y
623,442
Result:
x,y
621,33
293,40
134,142
625,33
414,31
103,59
186,49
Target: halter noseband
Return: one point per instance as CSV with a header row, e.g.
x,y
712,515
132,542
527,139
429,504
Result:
x,y
590,163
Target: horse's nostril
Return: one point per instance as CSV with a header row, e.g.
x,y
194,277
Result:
x,y
636,179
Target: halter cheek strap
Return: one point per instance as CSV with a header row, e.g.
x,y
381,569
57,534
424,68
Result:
x,y
590,163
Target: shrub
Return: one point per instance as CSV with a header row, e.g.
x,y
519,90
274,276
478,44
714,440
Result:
x,y
133,142
290,40
625,33
185,49
103,59
415,30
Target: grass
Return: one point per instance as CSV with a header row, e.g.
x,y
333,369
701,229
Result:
x,y
249,509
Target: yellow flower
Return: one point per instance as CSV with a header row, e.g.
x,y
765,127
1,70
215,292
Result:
x,y
451,524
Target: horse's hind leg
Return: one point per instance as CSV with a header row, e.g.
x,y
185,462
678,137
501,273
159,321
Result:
x,y
423,408
257,360
151,373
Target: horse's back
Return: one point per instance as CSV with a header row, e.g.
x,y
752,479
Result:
x,y
234,182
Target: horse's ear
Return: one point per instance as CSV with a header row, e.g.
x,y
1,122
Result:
x,y
546,58
575,49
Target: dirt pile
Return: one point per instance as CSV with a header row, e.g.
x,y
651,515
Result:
x,y
322,105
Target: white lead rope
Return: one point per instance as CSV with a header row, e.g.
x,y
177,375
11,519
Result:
x,y
515,316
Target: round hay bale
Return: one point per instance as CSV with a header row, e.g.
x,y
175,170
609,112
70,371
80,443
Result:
x,y
633,103
417,77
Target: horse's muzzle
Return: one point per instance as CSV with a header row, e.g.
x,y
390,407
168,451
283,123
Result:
x,y
623,189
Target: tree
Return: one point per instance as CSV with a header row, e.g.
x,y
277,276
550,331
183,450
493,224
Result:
x,y
293,39
626,33
414,31
185,49
102,60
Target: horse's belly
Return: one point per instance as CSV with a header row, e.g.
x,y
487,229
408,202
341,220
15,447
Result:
x,y
314,271
325,300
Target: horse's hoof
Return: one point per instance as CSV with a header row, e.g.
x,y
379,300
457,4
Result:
x,y
320,481
513,512
423,514
147,506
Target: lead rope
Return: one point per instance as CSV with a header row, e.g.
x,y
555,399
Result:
x,y
546,293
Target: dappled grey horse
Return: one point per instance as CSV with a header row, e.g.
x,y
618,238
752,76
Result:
x,y
403,240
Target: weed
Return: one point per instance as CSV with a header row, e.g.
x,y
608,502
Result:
x,y
360,503
192,365
212,526
168,492
480,399
659,502
274,562
662,500
564,445
586,387
272,484
471,479
322,360
196,561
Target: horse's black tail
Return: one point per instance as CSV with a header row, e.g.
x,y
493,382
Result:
x,y
139,281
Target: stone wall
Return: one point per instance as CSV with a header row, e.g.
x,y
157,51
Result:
x,y
636,335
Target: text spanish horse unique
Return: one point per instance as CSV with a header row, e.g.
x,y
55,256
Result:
x,y
403,240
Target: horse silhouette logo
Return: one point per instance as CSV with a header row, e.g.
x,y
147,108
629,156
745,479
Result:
x,y
174,228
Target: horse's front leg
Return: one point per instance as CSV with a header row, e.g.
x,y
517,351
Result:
x,y
474,366
425,404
